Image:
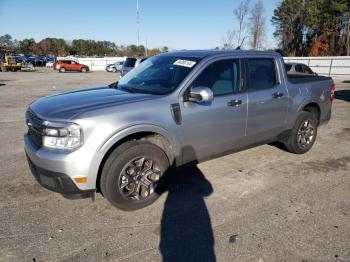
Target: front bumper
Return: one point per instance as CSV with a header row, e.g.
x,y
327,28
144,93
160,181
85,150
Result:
x,y
57,182
56,170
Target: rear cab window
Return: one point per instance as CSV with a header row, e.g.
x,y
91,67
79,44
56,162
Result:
x,y
261,74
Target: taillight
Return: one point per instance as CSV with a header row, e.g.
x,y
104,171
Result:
x,y
331,92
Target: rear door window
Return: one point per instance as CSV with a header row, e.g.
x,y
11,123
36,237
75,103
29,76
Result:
x,y
261,73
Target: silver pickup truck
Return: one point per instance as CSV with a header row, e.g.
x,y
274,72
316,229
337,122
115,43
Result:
x,y
174,108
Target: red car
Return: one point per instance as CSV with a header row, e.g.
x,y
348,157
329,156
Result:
x,y
69,65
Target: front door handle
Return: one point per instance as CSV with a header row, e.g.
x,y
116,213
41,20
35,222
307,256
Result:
x,y
234,103
277,95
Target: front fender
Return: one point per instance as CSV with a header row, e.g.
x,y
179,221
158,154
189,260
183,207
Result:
x,y
119,135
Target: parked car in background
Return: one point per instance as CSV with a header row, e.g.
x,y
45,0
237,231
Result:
x,y
49,64
10,63
116,67
70,65
173,109
132,62
299,69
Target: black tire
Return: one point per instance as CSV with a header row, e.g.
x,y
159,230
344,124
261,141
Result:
x,y
83,70
62,70
303,135
117,168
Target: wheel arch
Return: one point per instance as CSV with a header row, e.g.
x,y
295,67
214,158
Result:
x,y
154,134
314,108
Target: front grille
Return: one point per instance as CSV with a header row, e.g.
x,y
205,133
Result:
x,y
35,127
35,136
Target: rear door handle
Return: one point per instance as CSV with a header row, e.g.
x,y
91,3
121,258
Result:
x,y
277,95
234,103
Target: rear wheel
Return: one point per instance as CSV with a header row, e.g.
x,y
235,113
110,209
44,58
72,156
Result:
x,y
62,70
303,134
131,175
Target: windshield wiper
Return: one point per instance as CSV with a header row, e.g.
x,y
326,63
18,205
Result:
x,y
136,90
113,85
128,89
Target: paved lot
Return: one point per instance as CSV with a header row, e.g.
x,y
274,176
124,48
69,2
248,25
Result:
x,y
262,204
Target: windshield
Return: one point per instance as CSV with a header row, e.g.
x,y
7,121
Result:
x,y
158,75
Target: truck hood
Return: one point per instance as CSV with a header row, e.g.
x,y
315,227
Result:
x,y
69,104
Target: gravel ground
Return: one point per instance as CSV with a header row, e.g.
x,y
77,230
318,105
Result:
x,y
261,204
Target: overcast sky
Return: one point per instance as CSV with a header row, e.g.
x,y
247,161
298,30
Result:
x,y
180,24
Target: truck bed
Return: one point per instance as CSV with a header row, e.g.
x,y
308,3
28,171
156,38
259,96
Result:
x,y
297,79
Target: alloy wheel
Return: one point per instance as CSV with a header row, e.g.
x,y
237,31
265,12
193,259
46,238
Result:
x,y
139,178
306,134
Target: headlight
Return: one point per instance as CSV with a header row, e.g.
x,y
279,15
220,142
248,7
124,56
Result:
x,y
62,135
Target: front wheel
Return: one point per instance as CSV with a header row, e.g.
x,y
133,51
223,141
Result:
x,y
131,176
62,70
303,135
83,70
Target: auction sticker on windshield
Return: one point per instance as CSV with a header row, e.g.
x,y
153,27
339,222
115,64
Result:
x,y
185,63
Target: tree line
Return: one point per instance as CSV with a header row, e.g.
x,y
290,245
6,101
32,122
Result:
x,y
302,28
313,27
251,21
81,47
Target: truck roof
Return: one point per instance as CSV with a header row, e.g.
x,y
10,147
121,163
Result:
x,y
207,53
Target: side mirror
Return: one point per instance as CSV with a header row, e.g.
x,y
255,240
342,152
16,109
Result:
x,y
201,94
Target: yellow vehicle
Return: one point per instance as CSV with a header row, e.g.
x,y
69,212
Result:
x,y
10,64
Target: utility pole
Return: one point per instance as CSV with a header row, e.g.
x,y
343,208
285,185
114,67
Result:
x,y
146,47
138,23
